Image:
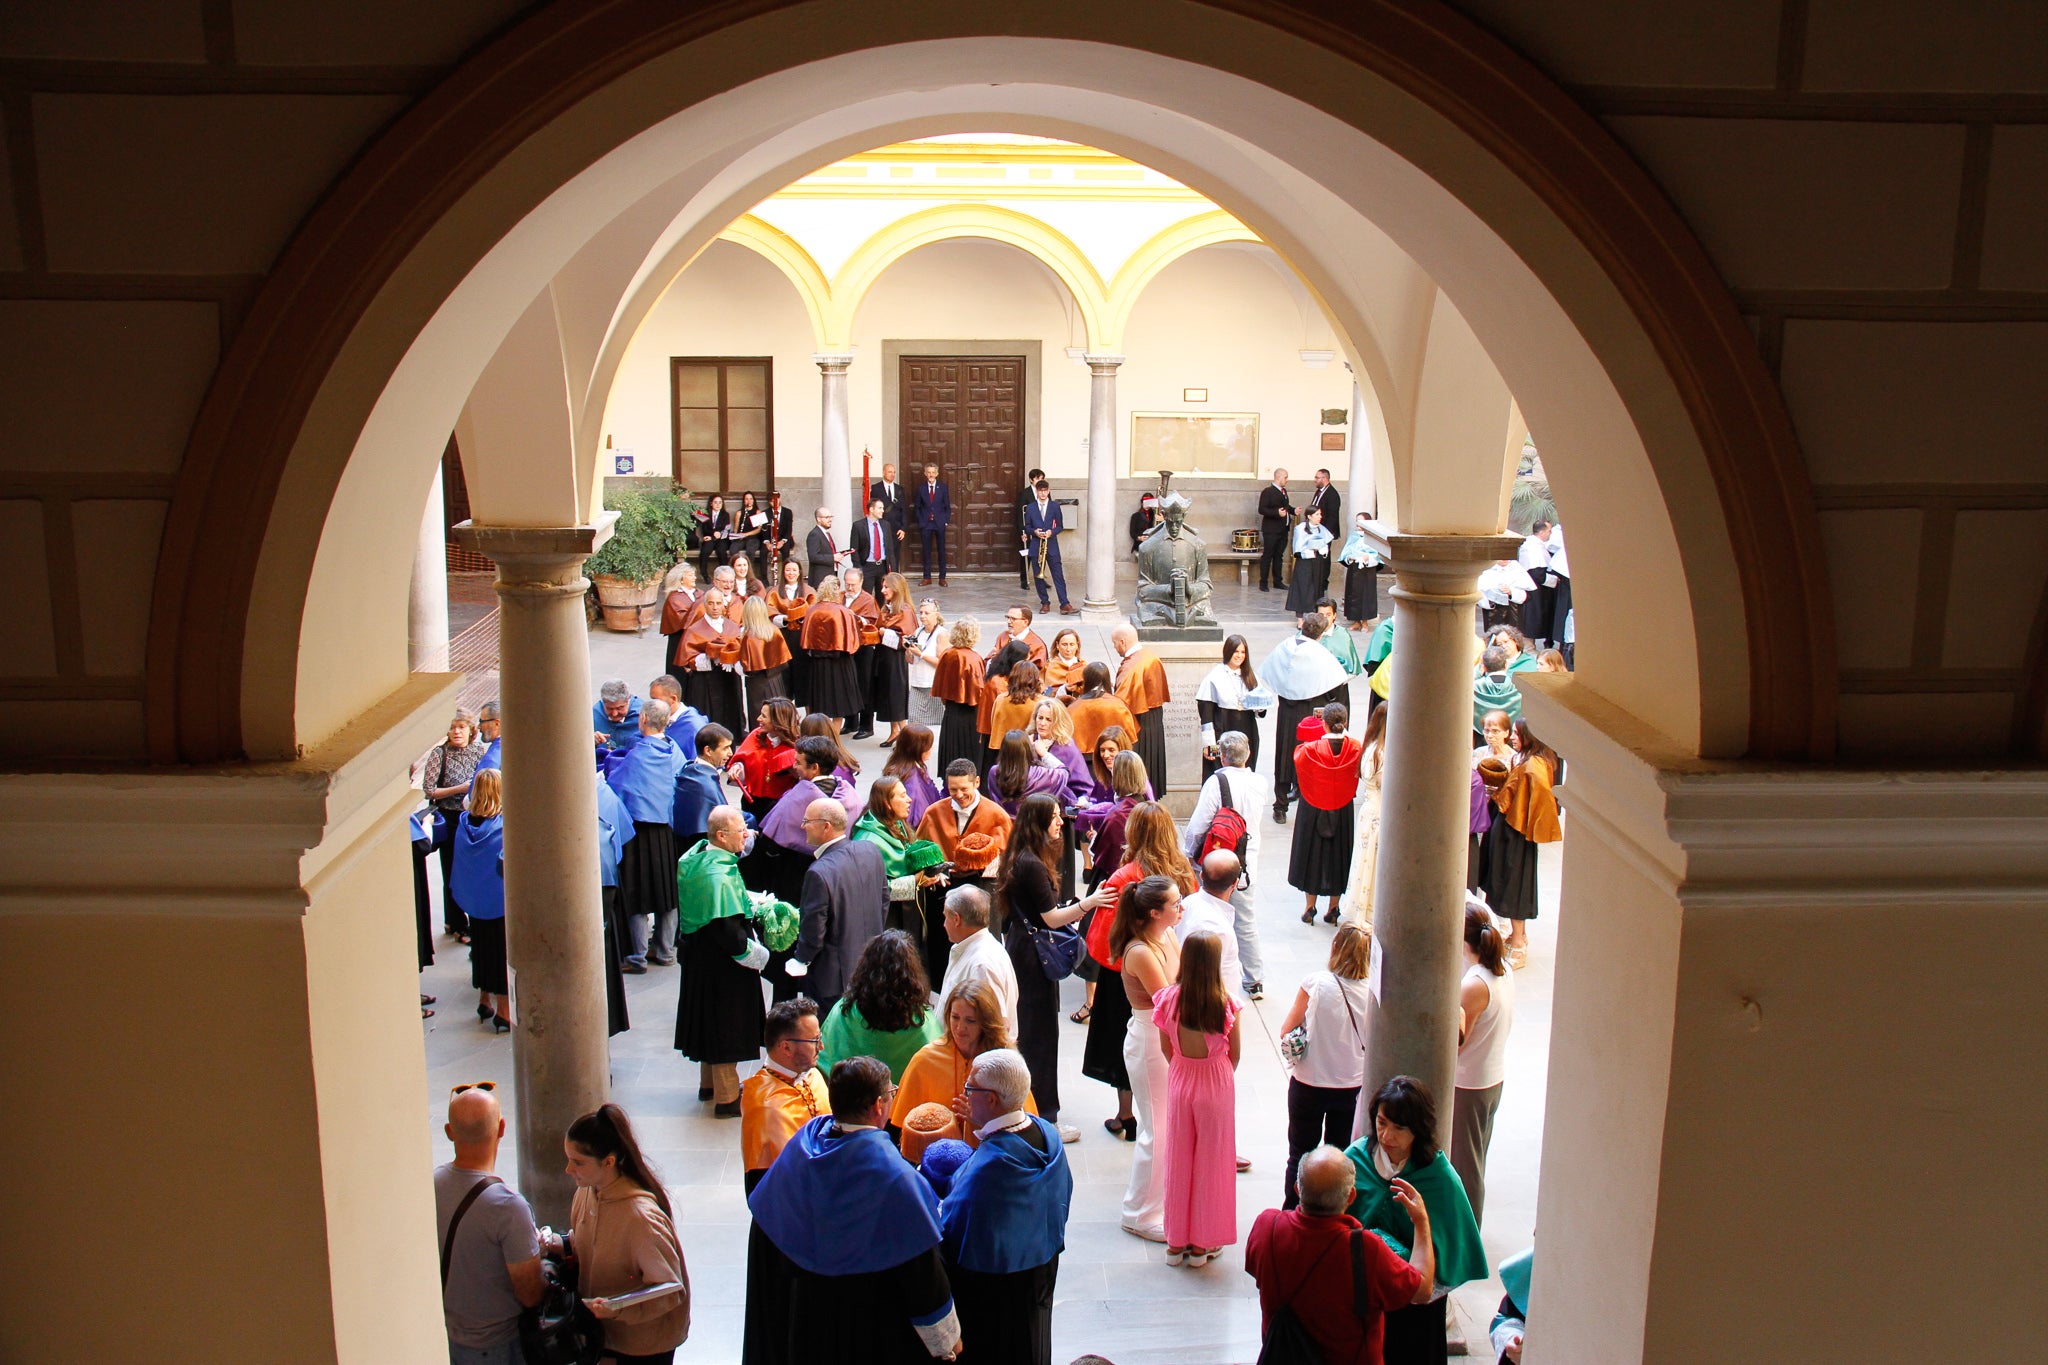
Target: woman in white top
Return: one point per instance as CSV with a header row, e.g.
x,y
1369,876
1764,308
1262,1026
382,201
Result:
x,y
1311,564
1223,703
923,649
1486,1012
1323,1092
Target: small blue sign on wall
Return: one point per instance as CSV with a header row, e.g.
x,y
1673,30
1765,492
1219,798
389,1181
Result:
x,y
622,463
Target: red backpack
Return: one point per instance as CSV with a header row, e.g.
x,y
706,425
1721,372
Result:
x,y
1227,830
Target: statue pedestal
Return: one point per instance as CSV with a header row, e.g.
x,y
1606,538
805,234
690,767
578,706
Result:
x,y
1187,660
1153,635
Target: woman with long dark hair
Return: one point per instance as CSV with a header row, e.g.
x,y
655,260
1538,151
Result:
x,y
1486,1014
890,692
623,1238
1027,892
748,538
1221,704
886,1012
767,757
845,766
886,824
1019,772
1013,710
714,534
1197,1020
1400,1143
1142,938
908,762
1098,708
1507,852
789,602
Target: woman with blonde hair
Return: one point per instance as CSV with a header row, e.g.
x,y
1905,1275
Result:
x,y
1328,1059
1064,665
764,655
973,1019
478,883
956,681
831,638
922,650
890,691
1052,736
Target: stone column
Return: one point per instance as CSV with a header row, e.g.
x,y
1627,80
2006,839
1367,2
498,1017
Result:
x,y
428,618
553,913
1100,594
1419,887
833,445
1361,491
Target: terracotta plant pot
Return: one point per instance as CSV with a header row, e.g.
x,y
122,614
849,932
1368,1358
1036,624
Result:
x,y
627,604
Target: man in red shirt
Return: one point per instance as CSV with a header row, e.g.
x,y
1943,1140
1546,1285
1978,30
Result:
x,y
1302,1260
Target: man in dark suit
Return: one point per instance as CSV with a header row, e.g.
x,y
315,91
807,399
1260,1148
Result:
x,y
845,903
1024,499
1042,526
1275,511
873,543
1325,499
931,508
821,551
895,506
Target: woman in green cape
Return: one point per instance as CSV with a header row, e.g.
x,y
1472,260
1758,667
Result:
x,y
1400,1140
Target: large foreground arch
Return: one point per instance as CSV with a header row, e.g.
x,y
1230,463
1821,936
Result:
x,y
1602,311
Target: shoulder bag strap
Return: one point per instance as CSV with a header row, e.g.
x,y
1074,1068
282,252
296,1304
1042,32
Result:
x,y
1224,788
448,1242
1361,1301
1345,996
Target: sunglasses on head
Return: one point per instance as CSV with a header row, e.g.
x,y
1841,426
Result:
x,y
472,1085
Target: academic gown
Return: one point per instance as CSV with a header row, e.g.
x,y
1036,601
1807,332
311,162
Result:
x,y
817,1294
718,1008
1305,677
714,691
614,828
957,681
1141,686
1004,1222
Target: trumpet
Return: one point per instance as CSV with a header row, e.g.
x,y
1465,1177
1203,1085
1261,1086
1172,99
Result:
x,y
1044,574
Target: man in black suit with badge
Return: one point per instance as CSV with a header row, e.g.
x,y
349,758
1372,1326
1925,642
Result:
x,y
1276,510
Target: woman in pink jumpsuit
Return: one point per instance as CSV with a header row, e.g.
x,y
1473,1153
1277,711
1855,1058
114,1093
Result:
x,y
1197,1023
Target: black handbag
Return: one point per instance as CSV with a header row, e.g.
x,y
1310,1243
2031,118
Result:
x,y
559,1330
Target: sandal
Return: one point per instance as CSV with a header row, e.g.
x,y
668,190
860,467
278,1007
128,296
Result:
x,y
1082,1015
426,1013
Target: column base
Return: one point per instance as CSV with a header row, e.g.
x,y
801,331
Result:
x,y
1109,610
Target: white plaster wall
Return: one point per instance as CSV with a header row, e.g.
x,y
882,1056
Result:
x,y
1226,318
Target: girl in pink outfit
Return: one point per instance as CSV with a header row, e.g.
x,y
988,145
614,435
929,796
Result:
x,y
1197,1023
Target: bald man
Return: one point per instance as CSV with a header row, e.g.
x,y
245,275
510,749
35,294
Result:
x,y
845,903
492,1269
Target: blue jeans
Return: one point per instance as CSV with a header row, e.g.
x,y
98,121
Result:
x,y
504,1353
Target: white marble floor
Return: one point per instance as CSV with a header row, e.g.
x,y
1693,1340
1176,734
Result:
x,y
1117,1297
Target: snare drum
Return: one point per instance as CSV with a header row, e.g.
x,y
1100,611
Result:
x,y
1245,541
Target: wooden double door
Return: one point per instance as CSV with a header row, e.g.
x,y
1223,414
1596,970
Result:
x,y
962,414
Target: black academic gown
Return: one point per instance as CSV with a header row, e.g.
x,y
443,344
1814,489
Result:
x,y
797,1318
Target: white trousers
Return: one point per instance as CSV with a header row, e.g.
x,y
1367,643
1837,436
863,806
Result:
x,y
1145,1196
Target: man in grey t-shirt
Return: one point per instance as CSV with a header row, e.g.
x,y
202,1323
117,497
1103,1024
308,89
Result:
x,y
493,1266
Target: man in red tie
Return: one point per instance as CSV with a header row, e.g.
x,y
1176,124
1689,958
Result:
x,y
874,546
821,552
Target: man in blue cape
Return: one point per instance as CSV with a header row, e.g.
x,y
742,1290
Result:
x,y
1004,1218
843,1264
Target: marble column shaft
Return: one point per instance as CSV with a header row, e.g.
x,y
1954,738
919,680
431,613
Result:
x,y
553,912
1099,593
427,617
1361,491
835,440
1419,886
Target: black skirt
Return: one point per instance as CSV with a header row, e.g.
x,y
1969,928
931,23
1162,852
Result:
x,y
1311,576
763,686
891,690
487,955
1151,746
717,695
617,948
799,670
1361,593
959,739
1507,870
647,870
835,687
1224,720
1102,1059
1319,863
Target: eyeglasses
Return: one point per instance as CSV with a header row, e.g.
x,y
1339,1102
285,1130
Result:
x,y
976,1090
807,1042
472,1085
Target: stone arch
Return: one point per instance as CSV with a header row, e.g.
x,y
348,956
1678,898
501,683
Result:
x,y
787,255
1521,179
1161,251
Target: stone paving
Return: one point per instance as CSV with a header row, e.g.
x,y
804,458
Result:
x,y
1116,1295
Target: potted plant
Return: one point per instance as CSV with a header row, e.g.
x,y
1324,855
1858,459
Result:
x,y
627,569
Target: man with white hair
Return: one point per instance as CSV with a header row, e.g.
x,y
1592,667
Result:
x,y
490,1266
1004,1220
1234,785
845,903
615,716
976,952
1301,1262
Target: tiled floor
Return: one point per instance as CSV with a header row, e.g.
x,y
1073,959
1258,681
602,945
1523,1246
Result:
x,y
1116,1295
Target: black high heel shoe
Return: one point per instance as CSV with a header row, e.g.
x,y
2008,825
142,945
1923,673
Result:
x,y
498,1024
1330,915
1130,1130
1308,916
484,1011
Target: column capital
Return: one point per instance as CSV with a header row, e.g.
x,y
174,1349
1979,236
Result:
x,y
531,544
832,363
1439,565
1103,364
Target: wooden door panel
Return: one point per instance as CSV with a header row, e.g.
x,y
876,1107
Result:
x,y
961,413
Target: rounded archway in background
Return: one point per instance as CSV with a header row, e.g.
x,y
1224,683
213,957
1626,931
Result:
x,y
1692,528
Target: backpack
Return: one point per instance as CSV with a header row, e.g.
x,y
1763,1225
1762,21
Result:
x,y
1228,830
1287,1341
